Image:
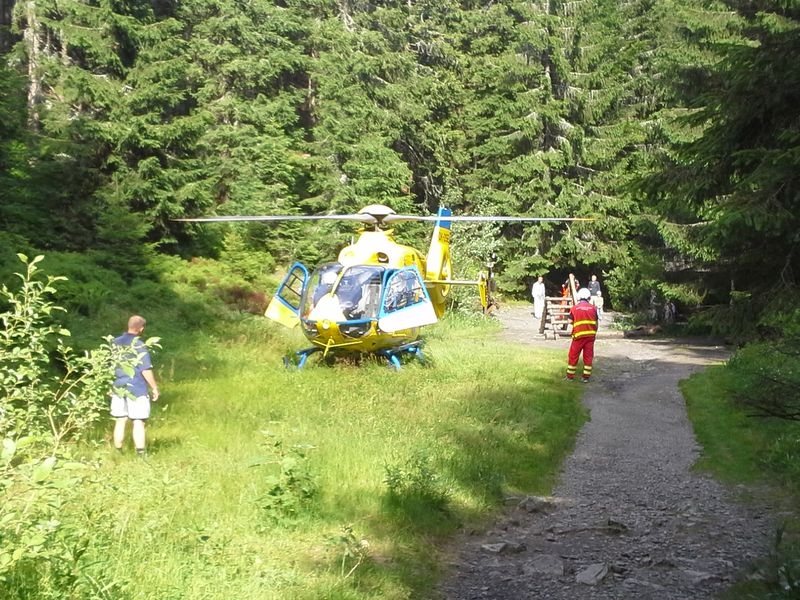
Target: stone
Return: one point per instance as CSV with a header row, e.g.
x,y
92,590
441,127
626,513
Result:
x,y
536,504
504,548
544,564
593,574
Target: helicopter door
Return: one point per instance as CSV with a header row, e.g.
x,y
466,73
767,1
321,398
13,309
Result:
x,y
405,303
284,308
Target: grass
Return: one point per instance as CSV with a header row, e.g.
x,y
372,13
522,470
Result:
x,y
765,453
738,447
339,482
330,482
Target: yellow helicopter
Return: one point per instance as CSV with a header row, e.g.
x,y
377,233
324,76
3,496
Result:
x,y
378,294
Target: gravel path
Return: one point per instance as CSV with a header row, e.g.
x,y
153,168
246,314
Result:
x,y
629,519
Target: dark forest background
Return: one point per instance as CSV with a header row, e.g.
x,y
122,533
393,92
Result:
x,y
673,124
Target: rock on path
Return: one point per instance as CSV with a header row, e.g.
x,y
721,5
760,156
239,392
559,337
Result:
x,y
629,519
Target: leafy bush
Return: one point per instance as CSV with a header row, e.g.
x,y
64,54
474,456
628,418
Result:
x,y
10,247
415,482
43,543
465,300
49,396
353,552
766,377
85,287
630,283
46,388
291,489
216,285
251,265
782,458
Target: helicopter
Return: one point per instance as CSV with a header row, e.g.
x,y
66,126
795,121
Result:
x,y
378,294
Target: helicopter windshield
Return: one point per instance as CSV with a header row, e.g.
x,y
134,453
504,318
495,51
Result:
x,y
406,303
404,290
338,294
320,285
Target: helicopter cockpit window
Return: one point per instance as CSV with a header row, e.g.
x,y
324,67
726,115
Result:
x,y
359,292
338,294
323,279
320,284
404,290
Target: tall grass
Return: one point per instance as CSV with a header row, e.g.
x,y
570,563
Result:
x,y
330,482
338,482
740,448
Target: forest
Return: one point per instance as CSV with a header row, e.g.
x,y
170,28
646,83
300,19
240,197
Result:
x,y
671,125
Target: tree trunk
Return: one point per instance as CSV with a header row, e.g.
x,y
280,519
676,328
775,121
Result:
x,y
32,43
6,15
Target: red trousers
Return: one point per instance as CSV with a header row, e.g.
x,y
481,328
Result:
x,y
580,345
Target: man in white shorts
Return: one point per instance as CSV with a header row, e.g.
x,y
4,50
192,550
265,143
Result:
x,y
129,399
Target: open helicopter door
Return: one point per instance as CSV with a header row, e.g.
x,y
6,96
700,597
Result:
x,y
405,302
284,308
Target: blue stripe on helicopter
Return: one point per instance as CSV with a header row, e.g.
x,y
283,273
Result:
x,y
443,222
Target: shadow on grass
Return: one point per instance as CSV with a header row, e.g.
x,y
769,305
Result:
x,y
159,443
516,441
505,440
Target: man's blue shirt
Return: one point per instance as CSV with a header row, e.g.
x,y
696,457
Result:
x,y
139,356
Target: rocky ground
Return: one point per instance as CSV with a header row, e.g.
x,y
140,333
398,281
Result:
x,y
629,518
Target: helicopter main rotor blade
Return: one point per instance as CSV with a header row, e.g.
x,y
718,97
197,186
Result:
x,y
480,218
363,218
378,215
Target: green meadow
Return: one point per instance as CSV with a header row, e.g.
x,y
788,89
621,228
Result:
x,y
343,481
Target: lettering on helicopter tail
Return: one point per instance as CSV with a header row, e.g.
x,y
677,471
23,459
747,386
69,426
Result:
x,y
438,266
284,308
440,245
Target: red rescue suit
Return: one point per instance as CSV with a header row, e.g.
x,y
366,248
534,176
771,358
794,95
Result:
x,y
584,329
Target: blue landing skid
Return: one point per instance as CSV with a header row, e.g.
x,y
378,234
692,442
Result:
x,y
391,354
301,357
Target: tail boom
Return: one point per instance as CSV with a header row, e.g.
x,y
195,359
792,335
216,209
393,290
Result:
x,y
438,266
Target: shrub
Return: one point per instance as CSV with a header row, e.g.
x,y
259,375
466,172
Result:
x,y
46,389
766,377
43,545
352,550
782,457
251,265
216,284
290,490
49,395
415,483
84,286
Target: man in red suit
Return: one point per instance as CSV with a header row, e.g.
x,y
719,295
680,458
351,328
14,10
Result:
x,y
583,317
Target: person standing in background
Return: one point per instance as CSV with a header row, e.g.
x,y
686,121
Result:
x,y
596,297
538,292
584,330
129,399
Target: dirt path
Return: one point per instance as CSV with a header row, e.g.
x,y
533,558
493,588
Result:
x,y
628,518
